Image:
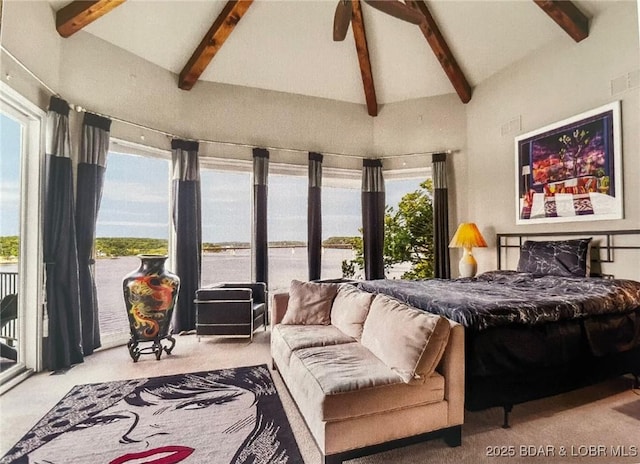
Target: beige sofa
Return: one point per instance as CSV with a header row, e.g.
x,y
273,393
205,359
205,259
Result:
x,y
367,372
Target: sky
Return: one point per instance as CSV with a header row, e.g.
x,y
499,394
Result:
x,y
9,176
135,199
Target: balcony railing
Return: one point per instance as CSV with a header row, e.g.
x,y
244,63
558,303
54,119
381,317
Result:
x,y
9,286
8,283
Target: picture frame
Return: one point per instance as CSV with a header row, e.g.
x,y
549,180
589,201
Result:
x,y
571,170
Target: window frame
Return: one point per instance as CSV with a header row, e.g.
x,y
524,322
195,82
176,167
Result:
x,y
124,147
31,327
240,167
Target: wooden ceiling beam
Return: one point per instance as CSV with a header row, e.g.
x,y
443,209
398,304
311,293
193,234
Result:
x,y
438,44
212,42
81,13
568,17
360,36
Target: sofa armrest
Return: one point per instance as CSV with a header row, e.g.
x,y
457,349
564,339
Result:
x,y
452,368
278,308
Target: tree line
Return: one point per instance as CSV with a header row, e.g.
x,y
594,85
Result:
x,y
131,246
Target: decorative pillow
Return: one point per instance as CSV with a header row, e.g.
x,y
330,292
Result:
x,y
567,258
309,303
409,341
350,309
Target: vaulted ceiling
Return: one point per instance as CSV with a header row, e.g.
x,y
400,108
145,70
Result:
x,y
287,45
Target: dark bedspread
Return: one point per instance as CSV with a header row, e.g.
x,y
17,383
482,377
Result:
x,y
529,337
500,298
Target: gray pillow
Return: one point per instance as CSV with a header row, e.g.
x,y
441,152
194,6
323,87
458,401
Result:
x,y
566,258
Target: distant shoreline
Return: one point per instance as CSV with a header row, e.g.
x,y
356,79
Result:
x,y
110,247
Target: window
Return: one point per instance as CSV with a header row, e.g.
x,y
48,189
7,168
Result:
x,y
21,270
341,218
395,189
10,157
133,219
287,230
226,226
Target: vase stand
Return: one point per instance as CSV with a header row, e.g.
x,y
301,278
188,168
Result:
x,y
156,347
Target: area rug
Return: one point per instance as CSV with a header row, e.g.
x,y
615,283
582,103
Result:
x,y
216,417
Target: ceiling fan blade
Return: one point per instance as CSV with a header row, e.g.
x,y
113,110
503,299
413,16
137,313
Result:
x,y
341,20
398,10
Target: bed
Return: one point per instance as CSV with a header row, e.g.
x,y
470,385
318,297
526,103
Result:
x,y
542,329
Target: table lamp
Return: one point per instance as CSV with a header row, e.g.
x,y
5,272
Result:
x,y
467,236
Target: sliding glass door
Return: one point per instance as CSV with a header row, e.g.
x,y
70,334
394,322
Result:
x,y
20,226
10,157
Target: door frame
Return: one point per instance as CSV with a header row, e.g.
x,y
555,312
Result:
x,y
30,266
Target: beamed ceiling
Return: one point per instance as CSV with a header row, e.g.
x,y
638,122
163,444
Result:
x,y
287,45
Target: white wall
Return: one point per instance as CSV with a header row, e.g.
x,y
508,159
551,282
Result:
x,y
427,125
28,32
555,82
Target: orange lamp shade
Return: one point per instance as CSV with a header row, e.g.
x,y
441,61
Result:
x,y
467,236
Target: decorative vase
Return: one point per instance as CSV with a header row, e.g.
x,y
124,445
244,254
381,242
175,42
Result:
x,y
150,294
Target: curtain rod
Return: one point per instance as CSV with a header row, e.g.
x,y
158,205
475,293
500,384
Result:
x,y
80,109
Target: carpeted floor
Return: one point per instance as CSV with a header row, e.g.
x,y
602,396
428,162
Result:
x,y
599,424
159,419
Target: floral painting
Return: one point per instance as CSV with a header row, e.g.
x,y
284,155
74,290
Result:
x,y
569,171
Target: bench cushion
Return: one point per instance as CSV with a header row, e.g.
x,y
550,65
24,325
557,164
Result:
x,y
287,338
347,380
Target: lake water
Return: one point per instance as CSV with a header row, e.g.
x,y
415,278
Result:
x,y
285,264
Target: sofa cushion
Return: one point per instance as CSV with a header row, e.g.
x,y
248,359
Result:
x,y
409,341
310,303
346,380
288,338
349,310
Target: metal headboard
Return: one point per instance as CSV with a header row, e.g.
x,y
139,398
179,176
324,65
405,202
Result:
x,y
602,249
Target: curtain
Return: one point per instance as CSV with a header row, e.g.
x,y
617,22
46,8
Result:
x,y
373,204
260,250
64,343
91,168
187,224
442,268
314,216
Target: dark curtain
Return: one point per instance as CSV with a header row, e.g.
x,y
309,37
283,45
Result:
x,y
187,224
64,342
314,216
260,244
373,204
442,268
91,168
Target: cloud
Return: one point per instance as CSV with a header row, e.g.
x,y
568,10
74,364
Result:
x,y
135,224
9,192
123,191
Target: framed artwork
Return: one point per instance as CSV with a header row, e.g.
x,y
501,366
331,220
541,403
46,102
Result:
x,y
570,170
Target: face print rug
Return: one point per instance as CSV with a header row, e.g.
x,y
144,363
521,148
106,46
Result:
x,y
227,416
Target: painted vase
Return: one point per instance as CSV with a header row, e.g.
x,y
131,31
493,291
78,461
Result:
x,y
150,295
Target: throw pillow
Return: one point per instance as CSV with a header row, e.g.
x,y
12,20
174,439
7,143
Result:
x,y
410,341
309,303
566,258
350,309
